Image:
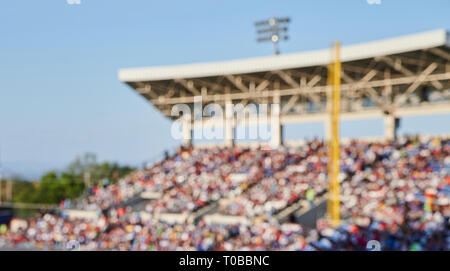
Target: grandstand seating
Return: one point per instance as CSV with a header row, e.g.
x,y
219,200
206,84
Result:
x,y
396,192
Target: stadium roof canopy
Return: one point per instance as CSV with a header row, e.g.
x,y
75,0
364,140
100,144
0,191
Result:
x,y
362,51
401,76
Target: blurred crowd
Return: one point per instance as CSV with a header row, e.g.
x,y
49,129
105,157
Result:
x,y
397,193
401,188
292,173
201,176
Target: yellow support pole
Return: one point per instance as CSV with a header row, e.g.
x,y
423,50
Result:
x,y
334,80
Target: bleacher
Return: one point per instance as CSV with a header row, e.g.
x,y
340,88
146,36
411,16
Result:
x,y
252,198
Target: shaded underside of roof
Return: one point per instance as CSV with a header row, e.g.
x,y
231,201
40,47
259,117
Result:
x,y
405,65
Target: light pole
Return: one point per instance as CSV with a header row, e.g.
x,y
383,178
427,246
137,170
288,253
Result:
x,y
274,30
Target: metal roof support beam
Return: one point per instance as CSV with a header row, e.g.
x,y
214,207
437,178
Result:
x,y
287,78
440,52
355,69
361,83
212,86
276,129
262,86
387,91
237,81
147,90
186,130
170,93
317,89
251,88
372,92
397,65
420,79
316,79
290,81
374,113
418,62
229,124
189,85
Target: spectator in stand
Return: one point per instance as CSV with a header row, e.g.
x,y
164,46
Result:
x,y
395,192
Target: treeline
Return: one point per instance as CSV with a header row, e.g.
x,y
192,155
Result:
x,y
70,183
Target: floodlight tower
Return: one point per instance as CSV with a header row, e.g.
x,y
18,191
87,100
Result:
x,y
274,30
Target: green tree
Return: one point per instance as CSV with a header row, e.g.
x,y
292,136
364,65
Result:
x,y
70,183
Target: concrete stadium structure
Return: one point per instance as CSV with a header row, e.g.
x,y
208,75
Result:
x,y
390,79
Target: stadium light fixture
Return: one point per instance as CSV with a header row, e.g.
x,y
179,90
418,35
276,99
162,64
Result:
x,y
274,30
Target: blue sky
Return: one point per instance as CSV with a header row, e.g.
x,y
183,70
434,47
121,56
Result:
x,y
59,92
